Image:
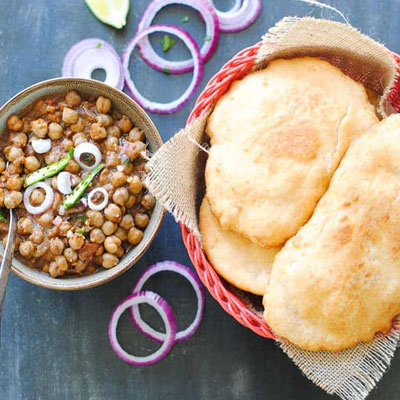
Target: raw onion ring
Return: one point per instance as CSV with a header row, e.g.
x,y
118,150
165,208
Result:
x,y
175,105
193,280
47,202
89,148
94,206
178,67
167,316
240,18
90,54
64,182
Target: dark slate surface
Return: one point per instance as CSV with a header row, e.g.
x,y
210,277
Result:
x,y
55,344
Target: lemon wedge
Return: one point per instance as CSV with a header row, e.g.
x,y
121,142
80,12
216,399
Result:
x,y
111,12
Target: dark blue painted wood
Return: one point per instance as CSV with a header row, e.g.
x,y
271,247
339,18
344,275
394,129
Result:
x,y
55,344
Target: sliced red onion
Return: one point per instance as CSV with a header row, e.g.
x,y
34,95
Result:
x,y
61,210
84,201
187,273
47,202
206,51
175,105
88,148
240,18
57,221
64,182
167,316
41,146
103,204
90,54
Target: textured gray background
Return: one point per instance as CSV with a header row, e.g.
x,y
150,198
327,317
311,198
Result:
x,y
55,344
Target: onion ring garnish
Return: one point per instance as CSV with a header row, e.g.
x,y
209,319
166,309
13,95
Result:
x,y
240,18
175,105
90,54
179,67
88,148
167,316
64,183
41,146
193,280
47,202
103,204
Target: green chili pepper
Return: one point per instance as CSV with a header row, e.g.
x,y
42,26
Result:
x,y
71,199
3,218
49,170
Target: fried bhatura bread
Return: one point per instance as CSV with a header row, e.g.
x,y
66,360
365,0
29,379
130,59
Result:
x,y
239,261
337,282
277,136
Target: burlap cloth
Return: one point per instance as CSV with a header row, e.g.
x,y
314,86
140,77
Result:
x,y
176,179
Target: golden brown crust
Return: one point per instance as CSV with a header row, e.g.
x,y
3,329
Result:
x,y
337,282
277,137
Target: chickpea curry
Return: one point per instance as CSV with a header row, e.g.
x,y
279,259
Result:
x,y
73,170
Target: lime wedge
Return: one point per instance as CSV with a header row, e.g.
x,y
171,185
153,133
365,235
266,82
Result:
x,y
111,12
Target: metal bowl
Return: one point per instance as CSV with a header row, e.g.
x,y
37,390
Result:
x,y
126,105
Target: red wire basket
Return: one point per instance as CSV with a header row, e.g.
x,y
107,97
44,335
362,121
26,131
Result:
x,y
236,68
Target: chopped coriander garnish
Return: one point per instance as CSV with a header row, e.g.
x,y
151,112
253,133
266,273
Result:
x,y
98,45
185,19
166,71
82,218
207,38
80,231
167,43
3,218
126,161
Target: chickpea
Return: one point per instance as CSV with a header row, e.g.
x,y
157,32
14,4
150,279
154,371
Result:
x,y
109,228
109,260
56,246
64,228
73,98
112,243
104,177
80,266
19,140
135,236
12,153
62,263
120,252
69,116
135,134
118,178
26,127
14,123
97,132
135,185
120,196
99,251
55,131
94,218
46,268
76,241
148,201
113,131
79,138
125,124
70,255
37,197
133,150
111,143
14,182
41,249
12,199
121,233
67,144
25,226
2,165
37,235
46,219
104,120
39,127
128,169
54,271
78,127
26,248
112,160
72,167
32,163
14,169
131,201
127,222
113,213
52,156
97,236
52,232
103,104
141,220
1,197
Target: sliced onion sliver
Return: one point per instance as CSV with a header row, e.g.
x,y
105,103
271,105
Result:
x,y
47,202
178,67
103,204
187,273
64,183
175,105
89,148
163,308
240,18
41,146
90,54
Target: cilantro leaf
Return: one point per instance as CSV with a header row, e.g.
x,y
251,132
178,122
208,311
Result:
x,y
166,71
98,45
3,217
167,43
185,19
